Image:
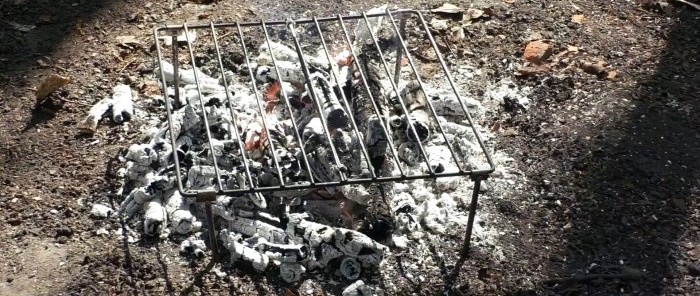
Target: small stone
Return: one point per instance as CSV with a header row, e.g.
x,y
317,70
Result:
x,y
595,69
62,239
679,203
577,18
537,51
64,231
694,269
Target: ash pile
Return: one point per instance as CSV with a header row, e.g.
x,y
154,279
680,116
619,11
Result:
x,y
277,114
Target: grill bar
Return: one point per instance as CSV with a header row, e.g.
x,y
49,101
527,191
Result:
x,y
314,182
390,142
422,88
345,99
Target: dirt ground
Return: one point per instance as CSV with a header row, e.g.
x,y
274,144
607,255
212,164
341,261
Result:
x,y
612,159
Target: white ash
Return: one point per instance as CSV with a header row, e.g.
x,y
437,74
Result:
x,y
358,288
101,210
121,105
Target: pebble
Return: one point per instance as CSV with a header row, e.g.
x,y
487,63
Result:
x,y
694,269
537,51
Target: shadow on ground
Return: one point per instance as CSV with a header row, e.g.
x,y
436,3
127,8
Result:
x,y
639,182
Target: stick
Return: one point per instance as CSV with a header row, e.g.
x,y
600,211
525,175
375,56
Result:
x,y
693,5
590,277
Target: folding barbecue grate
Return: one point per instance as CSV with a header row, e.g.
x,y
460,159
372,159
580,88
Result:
x,y
397,20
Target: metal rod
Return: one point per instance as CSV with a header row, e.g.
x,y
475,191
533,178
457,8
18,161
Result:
x,y
492,167
168,108
389,140
213,242
345,100
277,23
260,108
399,52
402,48
286,102
472,213
314,97
398,94
241,146
176,73
204,109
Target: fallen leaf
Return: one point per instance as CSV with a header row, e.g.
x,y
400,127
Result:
x,y
612,75
21,27
496,126
447,8
474,13
49,85
128,40
577,18
438,24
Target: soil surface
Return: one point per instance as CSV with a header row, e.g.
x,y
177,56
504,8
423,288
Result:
x,y
611,151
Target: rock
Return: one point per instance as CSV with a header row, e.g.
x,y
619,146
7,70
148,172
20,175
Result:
x,y
49,85
64,231
595,69
62,239
694,269
679,203
438,24
537,51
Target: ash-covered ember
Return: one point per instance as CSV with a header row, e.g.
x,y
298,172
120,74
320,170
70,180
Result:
x,y
344,126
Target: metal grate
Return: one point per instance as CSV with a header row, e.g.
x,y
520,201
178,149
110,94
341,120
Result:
x,y
396,20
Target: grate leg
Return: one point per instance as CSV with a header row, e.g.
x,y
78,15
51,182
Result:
x,y
472,213
212,233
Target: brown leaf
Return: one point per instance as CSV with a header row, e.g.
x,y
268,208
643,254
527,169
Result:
x,y
128,40
612,75
577,18
49,85
447,8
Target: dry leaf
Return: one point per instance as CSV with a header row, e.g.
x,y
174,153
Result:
x,y
128,40
447,8
577,18
473,13
612,75
49,85
20,27
438,24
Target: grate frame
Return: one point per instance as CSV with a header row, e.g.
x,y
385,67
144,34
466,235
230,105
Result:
x,y
392,15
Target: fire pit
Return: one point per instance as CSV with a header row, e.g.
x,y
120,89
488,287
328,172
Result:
x,y
299,139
